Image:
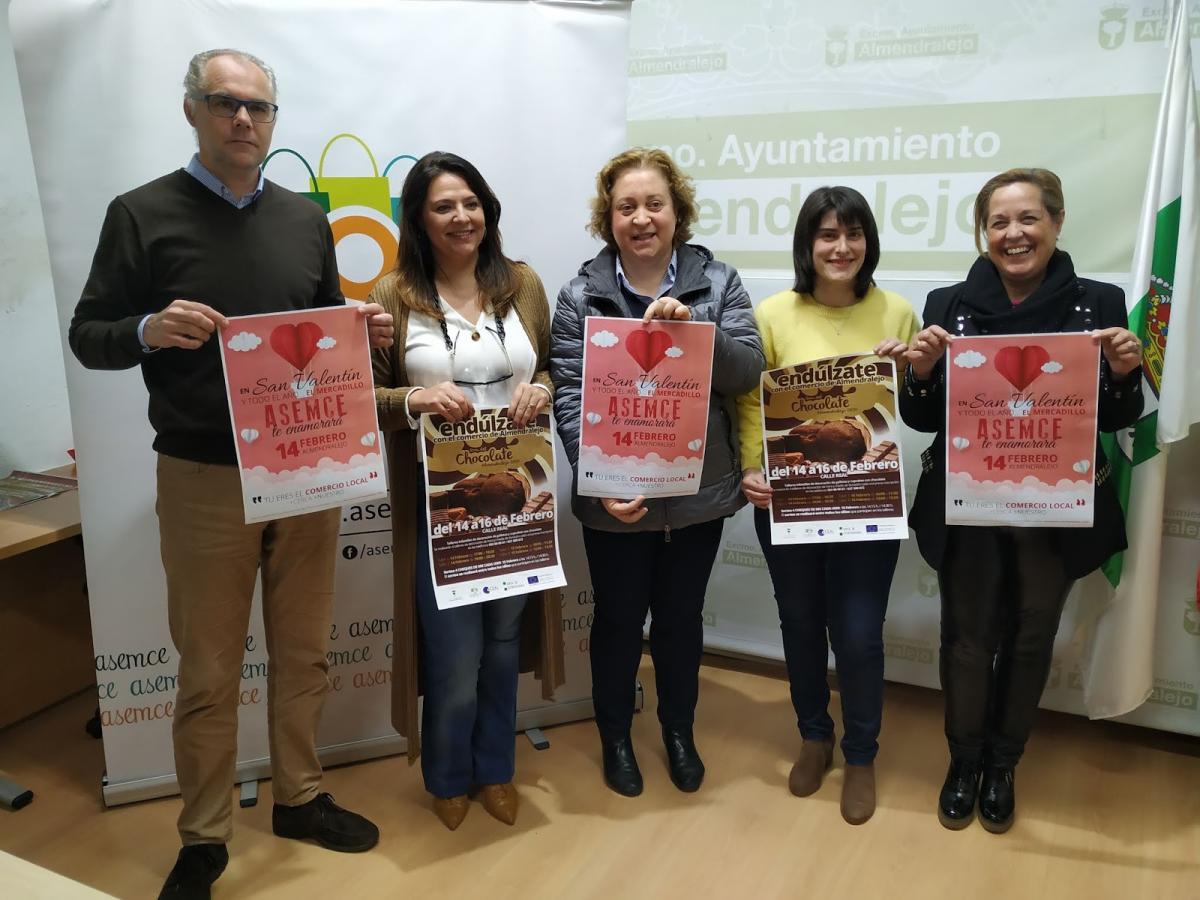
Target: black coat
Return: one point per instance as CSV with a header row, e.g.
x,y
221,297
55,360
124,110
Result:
x,y
923,407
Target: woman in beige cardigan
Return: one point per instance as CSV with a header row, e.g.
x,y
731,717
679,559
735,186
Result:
x,y
472,329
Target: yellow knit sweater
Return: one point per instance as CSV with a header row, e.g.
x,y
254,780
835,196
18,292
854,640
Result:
x,y
795,328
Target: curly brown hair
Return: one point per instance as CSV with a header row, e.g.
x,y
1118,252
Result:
x,y
1046,181
683,192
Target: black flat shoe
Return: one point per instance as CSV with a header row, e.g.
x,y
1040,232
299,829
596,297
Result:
x,y
323,821
956,803
621,772
687,770
997,799
196,868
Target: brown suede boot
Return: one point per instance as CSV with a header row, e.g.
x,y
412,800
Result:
x,y
814,761
858,793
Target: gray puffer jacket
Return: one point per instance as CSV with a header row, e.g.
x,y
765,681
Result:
x,y
714,293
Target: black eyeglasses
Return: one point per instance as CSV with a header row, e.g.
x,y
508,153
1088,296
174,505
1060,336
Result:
x,y
225,107
468,376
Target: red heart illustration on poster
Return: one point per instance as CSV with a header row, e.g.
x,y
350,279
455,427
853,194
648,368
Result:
x,y
1021,366
647,347
297,343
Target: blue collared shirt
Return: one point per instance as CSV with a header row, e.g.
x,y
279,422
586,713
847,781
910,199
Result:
x,y
197,170
668,282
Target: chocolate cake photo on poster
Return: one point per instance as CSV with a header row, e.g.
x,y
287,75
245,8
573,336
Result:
x,y
832,451
491,505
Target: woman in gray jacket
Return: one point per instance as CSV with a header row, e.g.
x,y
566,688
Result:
x,y
653,555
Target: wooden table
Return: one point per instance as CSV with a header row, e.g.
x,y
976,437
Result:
x,y
44,614
39,523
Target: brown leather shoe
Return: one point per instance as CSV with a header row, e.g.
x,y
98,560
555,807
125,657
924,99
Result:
x,y
500,800
858,793
815,759
451,810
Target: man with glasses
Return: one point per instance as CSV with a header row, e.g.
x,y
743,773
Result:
x,y
175,257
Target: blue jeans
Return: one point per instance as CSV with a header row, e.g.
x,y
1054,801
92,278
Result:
x,y
841,589
469,657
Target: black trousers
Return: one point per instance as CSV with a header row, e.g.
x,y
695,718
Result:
x,y
1003,591
636,572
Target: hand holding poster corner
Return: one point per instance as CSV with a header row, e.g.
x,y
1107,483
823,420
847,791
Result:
x,y
302,403
644,407
492,508
832,451
1021,430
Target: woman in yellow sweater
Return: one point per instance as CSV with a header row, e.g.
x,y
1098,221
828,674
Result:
x,y
842,588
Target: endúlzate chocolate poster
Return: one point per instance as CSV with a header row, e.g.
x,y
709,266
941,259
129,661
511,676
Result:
x,y
832,451
491,496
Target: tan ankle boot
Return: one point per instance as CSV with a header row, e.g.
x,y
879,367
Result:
x,y
814,761
858,793
451,810
500,800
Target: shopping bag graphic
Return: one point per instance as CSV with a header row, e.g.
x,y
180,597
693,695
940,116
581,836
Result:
x,y
362,214
318,197
371,191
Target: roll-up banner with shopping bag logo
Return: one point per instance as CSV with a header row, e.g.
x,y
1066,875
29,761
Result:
x,y
333,110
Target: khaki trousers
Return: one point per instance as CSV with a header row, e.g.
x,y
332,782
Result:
x,y
211,557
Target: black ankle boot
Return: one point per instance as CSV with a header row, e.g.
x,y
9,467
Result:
x,y
687,769
621,772
956,803
997,799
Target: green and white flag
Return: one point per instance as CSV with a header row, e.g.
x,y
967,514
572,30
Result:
x,y
1118,663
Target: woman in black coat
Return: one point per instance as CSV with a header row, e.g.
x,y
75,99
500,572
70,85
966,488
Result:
x,y
1003,588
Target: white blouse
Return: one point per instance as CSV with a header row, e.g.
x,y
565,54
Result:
x,y
486,359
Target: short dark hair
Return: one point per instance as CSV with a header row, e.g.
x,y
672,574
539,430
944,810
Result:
x,y
852,210
495,273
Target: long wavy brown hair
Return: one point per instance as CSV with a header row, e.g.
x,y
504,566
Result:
x,y
495,273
